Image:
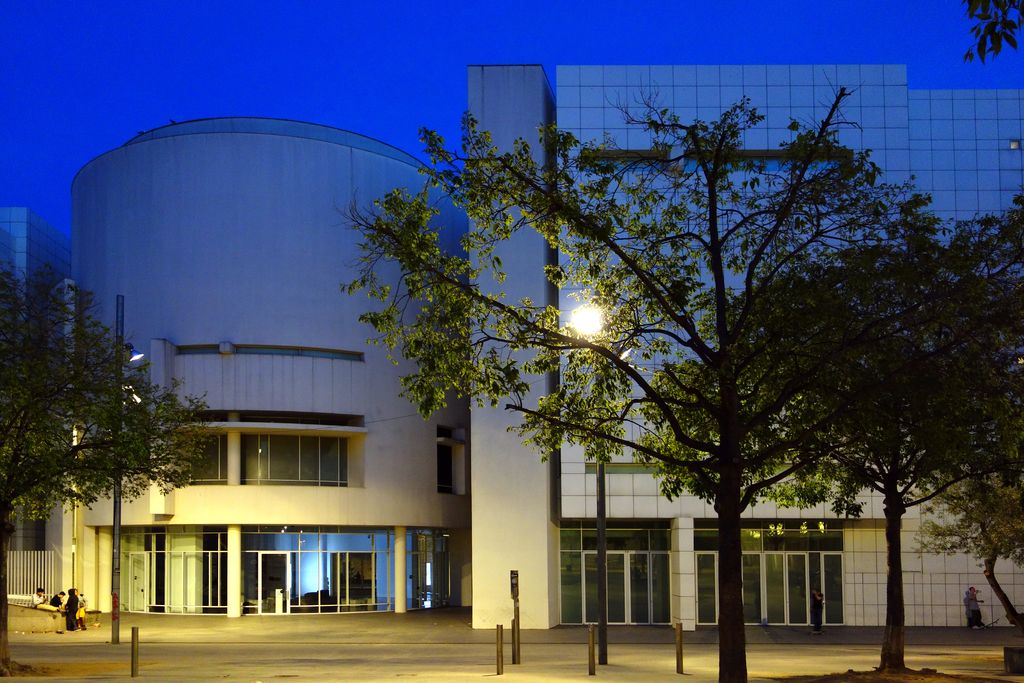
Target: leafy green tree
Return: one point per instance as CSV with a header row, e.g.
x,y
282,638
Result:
x,y
943,399
984,518
711,267
997,23
73,419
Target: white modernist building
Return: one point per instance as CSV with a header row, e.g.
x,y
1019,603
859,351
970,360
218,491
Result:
x,y
326,492
963,147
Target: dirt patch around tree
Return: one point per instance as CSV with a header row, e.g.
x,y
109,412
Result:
x,y
908,676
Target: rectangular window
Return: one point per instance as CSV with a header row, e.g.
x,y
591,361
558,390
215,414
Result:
x,y
309,469
214,467
294,460
284,458
445,478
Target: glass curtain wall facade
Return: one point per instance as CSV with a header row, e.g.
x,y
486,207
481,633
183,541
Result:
x,y
782,563
174,570
284,570
638,575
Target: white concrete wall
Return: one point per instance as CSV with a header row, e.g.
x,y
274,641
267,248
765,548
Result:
x,y
513,525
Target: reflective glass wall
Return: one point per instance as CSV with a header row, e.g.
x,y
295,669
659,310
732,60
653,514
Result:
x,y
638,575
782,563
285,570
174,570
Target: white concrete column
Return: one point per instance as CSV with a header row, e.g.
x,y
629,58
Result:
x,y
104,547
234,570
234,458
684,574
234,454
401,572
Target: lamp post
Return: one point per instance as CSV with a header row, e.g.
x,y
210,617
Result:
x,y
121,352
602,569
588,321
115,563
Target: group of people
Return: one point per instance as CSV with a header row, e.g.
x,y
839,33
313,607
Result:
x,y
70,604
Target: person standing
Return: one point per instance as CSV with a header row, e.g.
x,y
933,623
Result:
x,y
972,608
81,613
71,610
817,610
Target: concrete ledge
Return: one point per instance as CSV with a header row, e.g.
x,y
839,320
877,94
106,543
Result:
x,y
1013,660
31,620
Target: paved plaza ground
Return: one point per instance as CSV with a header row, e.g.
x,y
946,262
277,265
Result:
x,y
439,645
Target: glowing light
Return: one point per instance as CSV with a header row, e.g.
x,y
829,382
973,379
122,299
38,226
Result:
x,y
587,320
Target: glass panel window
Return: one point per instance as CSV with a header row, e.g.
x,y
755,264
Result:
x,y
775,587
284,458
639,599
796,580
752,589
572,588
214,466
833,588
309,469
706,589
250,459
445,477
570,539
660,589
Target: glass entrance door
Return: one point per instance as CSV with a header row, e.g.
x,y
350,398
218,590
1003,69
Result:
x,y
138,596
617,588
638,586
275,577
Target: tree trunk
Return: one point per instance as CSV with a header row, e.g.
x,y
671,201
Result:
x,y
1012,615
732,645
6,531
894,639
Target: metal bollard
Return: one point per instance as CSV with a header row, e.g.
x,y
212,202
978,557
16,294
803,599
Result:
x,y
135,651
501,651
515,641
679,648
591,660
517,637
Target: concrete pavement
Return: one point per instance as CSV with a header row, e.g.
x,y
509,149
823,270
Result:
x,y
439,645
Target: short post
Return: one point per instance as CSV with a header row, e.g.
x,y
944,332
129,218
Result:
x,y
515,637
135,651
501,648
679,648
591,659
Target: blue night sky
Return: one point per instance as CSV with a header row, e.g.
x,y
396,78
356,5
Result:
x,y
79,78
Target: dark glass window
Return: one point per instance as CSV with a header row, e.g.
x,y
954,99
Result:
x,y
214,466
445,483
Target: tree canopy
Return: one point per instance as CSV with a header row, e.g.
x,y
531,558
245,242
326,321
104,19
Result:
x,y
73,418
719,274
984,518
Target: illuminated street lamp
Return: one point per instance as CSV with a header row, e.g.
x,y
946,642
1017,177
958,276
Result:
x,y
588,321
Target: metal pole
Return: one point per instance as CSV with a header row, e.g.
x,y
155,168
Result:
x,y
115,562
602,570
515,649
135,651
591,666
679,648
501,651
517,636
